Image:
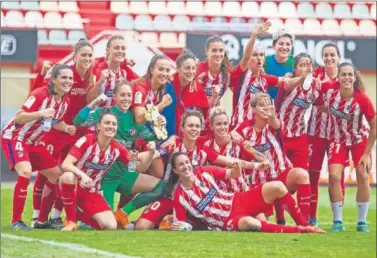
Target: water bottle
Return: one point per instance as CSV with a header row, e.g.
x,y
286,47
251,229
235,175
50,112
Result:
x,y
132,165
47,124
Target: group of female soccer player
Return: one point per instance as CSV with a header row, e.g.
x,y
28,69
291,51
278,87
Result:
x,y
214,172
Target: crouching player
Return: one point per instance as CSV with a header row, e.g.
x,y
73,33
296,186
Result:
x,y
93,155
198,195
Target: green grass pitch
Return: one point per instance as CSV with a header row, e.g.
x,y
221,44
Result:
x,y
192,244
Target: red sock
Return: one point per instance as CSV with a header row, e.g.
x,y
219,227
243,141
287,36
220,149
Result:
x,y
274,228
314,179
58,205
289,204
19,197
343,185
68,195
48,198
303,199
37,190
279,210
84,217
124,200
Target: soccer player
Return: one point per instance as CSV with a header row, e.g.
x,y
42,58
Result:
x,y
198,195
265,136
110,70
119,179
84,167
349,107
59,143
44,108
280,63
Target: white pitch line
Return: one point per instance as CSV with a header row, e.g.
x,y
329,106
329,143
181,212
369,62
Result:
x,y
75,247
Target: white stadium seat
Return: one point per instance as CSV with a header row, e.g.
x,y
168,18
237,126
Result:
x,y
139,7
250,9
124,22
42,37
200,23
34,19
295,26
10,5
176,8
58,37
29,5
14,19
269,9
219,24
287,10
331,27
324,11
157,8
49,6
182,39
168,40
72,21
313,27
342,11
3,24
232,9
75,35
162,23
373,11
68,6
360,11
367,28
213,8
181,23
276,24
149,38
195,8
143,22
53,20
239,24
305,10
349,27
119,7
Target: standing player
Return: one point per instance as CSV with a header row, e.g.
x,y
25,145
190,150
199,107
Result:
x,y
198,195
349,107
110,70
44,109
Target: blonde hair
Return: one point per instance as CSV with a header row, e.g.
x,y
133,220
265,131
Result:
x,y
216,111
257,98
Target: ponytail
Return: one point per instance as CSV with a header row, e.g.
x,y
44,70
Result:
x,y
359,83
54,74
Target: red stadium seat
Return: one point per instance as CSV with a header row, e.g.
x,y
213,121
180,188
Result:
x,y
349,28
287,10
342,11
331,27
34,19
305,10
324,11
14,18
119,7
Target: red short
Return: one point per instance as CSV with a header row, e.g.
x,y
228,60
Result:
x,y
317,148
249,203
90,203
157,210
283,175
339,153
296,149
17,151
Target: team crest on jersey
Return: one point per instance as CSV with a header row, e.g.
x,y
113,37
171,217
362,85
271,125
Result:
x,y
109,156
20,154
132,132
348,107
109,93
138,97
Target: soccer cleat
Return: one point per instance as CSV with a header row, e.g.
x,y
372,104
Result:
x,y
313,222
33,220
39,225
362,227
337,226
56,223
19,225
121,218
83,225
281,222
166,222
70,226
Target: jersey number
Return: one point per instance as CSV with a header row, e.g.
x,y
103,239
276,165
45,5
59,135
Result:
x,y
18,146
155,206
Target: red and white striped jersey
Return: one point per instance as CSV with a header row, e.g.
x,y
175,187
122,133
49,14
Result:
x,y
291,108
198,157
206,79
230,150
348,118
38,100
205,200
244,91
269,142
95,162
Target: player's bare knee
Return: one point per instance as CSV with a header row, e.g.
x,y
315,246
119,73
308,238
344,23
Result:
x,y
361,174
110,224
143,224
279,188
249,224
301,176
24,173
334,179
67,178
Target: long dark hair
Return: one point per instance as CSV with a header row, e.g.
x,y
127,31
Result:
x,y
226,65
359,83
80,44
54,74
174,178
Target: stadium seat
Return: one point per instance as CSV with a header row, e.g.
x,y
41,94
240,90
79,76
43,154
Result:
x,y
143,22
163,23
3,24
331,27
149,38
14,19
219,24
10,5
294,25
119,7
367,28
138,7
313,27
305,10
287,10
124,22
157,8
72,21
53,20
176,8
342,11
232,9
239,24
200,23
131,36
182,39
373,11
58,37
250,10
42,37
324,11
168,40
276,24
29,5
349,27
213,8
68,6
181,23
269,9
34,19
195,8
49,6
360,11
75,35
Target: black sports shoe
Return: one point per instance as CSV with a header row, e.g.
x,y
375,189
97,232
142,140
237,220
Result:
x,y
46,225
281,222
33,220
56,223
19,225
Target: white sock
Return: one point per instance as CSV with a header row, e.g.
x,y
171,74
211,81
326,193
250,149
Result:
x,y
337,209
55,213
362,211
35,214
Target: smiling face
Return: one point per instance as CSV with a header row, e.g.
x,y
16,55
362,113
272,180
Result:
x,y
304,63
84,57
107,127
63,82
220,125
346,77
117,50
192,128
215,52
183,166
160,71
283,47
123,97
187,70
330,57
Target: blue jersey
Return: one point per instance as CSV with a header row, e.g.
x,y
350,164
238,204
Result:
x,y
272,67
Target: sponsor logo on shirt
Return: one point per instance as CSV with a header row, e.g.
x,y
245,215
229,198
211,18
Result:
x,y
109,93
53,122
206,199
96,166
263,147
254,88
340,114
77,91
301,103
138,97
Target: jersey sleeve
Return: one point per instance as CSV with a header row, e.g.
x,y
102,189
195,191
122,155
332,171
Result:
x,y
179,210
272,80
246,155
39,82
123,156
144,133
218,173
211,154
140,96
131,75
34,101
80,146
240,128
367,107
86,117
